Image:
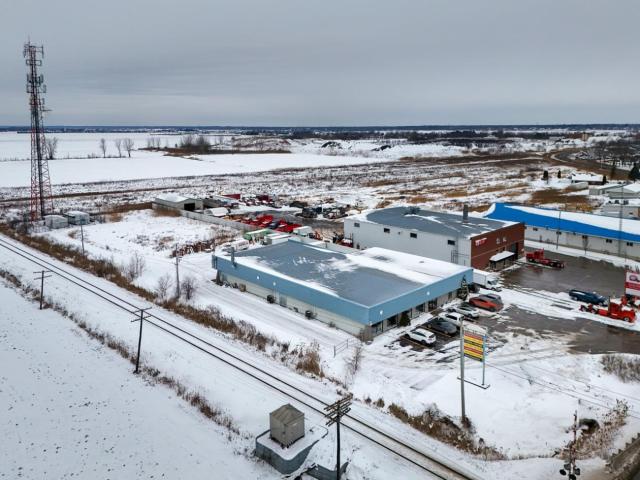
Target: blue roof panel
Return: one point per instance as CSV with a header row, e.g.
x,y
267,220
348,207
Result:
x,y
579,223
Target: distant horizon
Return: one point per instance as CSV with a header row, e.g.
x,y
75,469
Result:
x,y
334,127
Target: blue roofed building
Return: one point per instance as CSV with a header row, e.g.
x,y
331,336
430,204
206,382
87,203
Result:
x,y
362,292
584,231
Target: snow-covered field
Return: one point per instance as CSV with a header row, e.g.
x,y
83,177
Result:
x,y
71,408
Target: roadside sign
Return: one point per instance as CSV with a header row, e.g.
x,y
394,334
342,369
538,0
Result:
x,y
632,283
474,342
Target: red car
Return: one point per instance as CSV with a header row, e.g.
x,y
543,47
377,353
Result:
x,y
486,303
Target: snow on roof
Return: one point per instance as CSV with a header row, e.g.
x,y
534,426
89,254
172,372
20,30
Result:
x,y
575,222
586,177
75,213
630,187
171,197
367,277
501,256
440,223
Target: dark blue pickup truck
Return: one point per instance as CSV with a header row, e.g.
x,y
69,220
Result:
x,y
587,297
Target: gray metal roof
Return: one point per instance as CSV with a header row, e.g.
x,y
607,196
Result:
x,y
440,223
329,270
286,413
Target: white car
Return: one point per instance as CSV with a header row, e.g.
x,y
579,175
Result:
x,y
453,317
420,335
465,310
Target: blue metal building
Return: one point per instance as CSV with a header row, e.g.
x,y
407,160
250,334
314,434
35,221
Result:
x,y
577,230
362,292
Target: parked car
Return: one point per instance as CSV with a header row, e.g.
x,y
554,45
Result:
x,y
486,303
465,309
493,296
587,297
441,325
422,336
453,317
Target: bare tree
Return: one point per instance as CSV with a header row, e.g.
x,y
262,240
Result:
x,y
188,286
163,286
103,147
118,143
50,147
127,143
135,267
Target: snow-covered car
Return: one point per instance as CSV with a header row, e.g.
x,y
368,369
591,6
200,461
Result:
x,y
422,336
465,309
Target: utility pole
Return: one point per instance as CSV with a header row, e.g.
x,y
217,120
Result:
x,y
334,414
464,415
143,316
82,238
42,274
177,273
570,468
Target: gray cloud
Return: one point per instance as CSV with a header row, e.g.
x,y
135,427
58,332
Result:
x,y
291,62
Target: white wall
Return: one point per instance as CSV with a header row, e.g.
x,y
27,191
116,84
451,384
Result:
x,y
426,244
595,244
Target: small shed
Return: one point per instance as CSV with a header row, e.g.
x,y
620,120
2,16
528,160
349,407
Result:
x,y
76,217
56,221
286,425
177,202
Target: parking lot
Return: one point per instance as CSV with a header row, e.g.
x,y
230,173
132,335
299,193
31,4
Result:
x,y
581,273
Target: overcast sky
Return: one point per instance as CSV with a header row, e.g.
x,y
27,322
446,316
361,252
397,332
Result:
x,y
325,62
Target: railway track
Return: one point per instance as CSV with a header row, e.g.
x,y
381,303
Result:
x,y
439,468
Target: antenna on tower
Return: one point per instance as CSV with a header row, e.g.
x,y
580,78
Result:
x,y
41,199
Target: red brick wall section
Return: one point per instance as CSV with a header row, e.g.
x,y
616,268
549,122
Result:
x,y
485,246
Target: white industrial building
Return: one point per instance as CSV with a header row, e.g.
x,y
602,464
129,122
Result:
x,y
452,237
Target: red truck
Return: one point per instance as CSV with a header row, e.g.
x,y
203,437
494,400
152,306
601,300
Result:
x,y
615,310
537,257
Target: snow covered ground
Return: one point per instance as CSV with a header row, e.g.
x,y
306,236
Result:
x,y
71,408
402,375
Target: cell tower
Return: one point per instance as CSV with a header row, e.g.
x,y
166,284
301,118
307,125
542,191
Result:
x,y
41,199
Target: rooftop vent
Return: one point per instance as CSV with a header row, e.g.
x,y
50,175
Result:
x,y
413,211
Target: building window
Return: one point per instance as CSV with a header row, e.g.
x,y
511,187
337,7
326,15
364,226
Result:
x,y
497,241
356,224
386,230
585,237
413,235
535,229
451,242
629,244
608,240
558,232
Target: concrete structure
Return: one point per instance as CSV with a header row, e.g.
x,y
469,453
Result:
x,y
286,425
584,231
361,292
77,217
56,221
287,460
177,202
452,237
